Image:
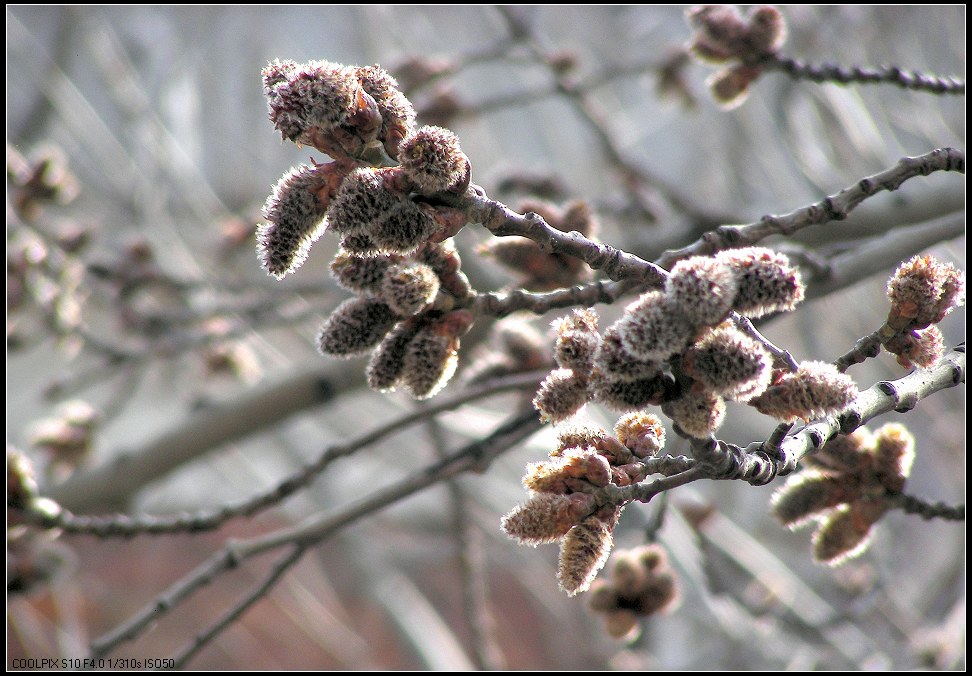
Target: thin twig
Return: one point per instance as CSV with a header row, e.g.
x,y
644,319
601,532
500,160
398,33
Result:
x,y
832,208
128,526
907,79
475,457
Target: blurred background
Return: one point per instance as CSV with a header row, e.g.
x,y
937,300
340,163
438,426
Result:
x,y
136,305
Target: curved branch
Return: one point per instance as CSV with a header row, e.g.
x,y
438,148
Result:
x,y
906,79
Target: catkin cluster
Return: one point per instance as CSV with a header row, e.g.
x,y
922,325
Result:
x,y
922,291
846,489
641,583
724,36
563,503
359,117
405,313
674,347
395,254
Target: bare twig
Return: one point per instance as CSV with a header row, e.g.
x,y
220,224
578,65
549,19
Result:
x,y
126,526
832,208
474,457
906,79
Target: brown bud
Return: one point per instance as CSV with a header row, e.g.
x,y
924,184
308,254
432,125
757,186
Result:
x,y
583,552
815,390
561,395
809,493
357,325
845,533
702,289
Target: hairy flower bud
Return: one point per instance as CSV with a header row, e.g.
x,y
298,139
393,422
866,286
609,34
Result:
x,y
641,432
432,357
561,395
360,274
357,325
809,493
628,395
577,340
390,222
843,453
616,364
730,86
397,113
321,104
387,362
433,160
766,32
295,213
720,32
702,289
815,390
583,552
409,288
652,329
922,291
767,281
729,363
546,517
698,415
845,532
894,453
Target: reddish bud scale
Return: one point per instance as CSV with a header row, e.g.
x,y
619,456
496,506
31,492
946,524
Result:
x,y
397,113
641,432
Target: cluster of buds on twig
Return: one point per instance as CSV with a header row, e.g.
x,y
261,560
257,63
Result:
x,y
922,291
678,348
34,557
539,271
846,488
724,36
396,250
565,503
640,583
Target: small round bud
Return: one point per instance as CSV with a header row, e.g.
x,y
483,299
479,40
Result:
x,y
409,288
397,113
808,493
641,432
894,453
845,532
433,160
356,326
360,274
21,484
561,395
583,552
729,363
702,289
578,216
652,329
815,390
387,362
698,415
767,281
295,214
